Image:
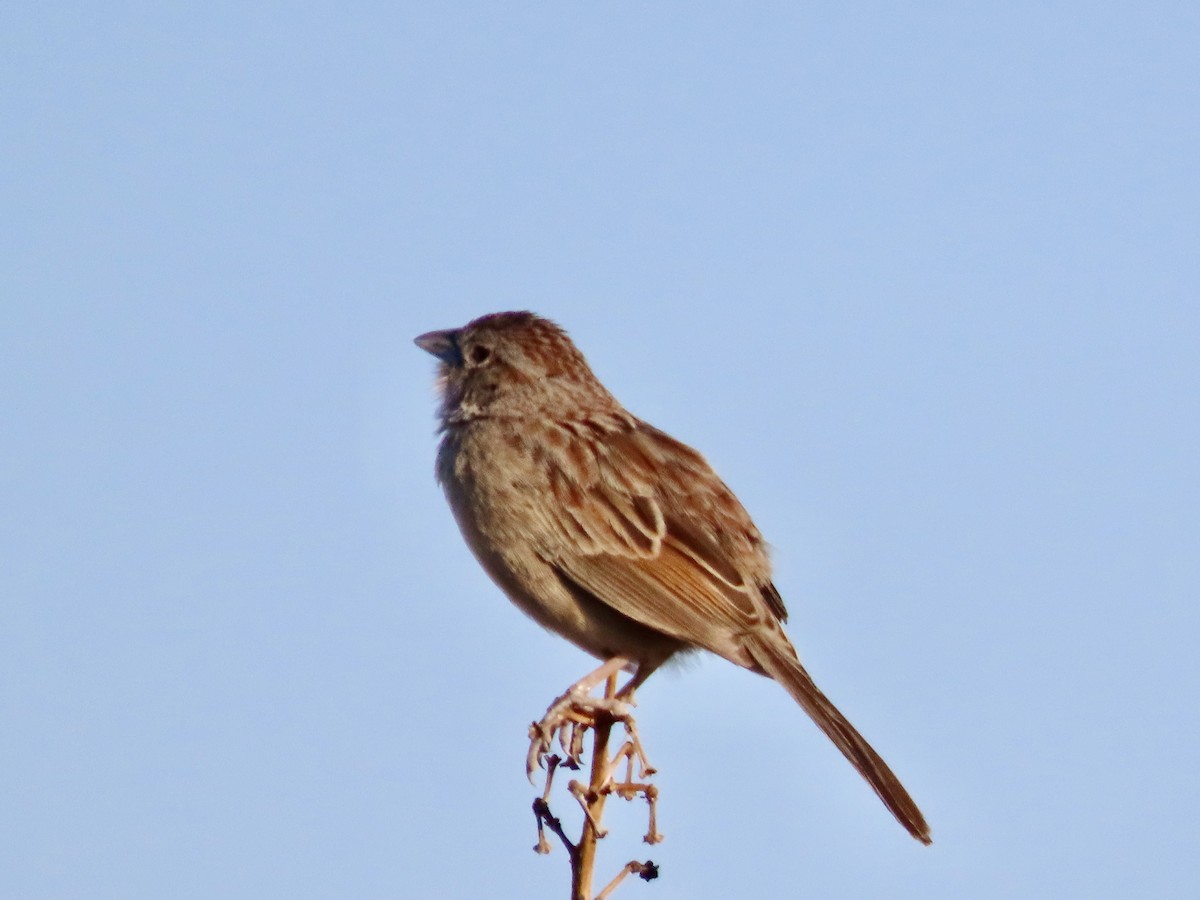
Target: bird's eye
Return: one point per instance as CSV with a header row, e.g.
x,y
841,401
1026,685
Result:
x,y
479,355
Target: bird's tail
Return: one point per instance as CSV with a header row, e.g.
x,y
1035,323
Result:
x,y
778,660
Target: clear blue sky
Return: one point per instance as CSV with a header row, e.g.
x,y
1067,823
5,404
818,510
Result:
x,y
922,283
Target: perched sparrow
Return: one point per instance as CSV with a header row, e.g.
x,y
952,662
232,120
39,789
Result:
x,y
607,531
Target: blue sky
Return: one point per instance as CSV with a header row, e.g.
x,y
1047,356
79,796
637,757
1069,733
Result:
x,y
922,283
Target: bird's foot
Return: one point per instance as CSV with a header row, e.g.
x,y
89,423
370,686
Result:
x,y
566,723
571,714
567,720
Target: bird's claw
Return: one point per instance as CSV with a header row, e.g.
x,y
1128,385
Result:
x,y
568,719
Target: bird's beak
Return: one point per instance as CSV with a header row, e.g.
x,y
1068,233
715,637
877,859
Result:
x,y
442,344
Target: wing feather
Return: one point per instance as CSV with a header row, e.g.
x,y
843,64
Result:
x,y
652,532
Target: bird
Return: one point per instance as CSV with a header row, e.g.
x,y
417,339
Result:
x,y
606,530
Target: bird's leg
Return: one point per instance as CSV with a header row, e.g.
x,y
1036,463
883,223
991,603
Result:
x,y
571,714
627,690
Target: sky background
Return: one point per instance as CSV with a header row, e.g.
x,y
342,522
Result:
x,y
923,284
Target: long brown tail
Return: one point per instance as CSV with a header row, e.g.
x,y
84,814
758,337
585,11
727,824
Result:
x,y
778,660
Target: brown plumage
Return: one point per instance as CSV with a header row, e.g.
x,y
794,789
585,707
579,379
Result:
x,y
607,531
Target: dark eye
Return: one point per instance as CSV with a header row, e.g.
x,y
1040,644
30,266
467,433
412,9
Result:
x,y
479,354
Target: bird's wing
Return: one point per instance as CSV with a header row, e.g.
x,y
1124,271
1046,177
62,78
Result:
x,y
651,531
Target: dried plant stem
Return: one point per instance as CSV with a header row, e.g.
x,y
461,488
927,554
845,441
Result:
x,y
647,871
583,859
568,720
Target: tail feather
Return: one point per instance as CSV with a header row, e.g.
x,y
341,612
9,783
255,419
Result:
x,y
778,660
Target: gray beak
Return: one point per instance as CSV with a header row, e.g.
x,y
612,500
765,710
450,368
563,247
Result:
x,y
442,344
